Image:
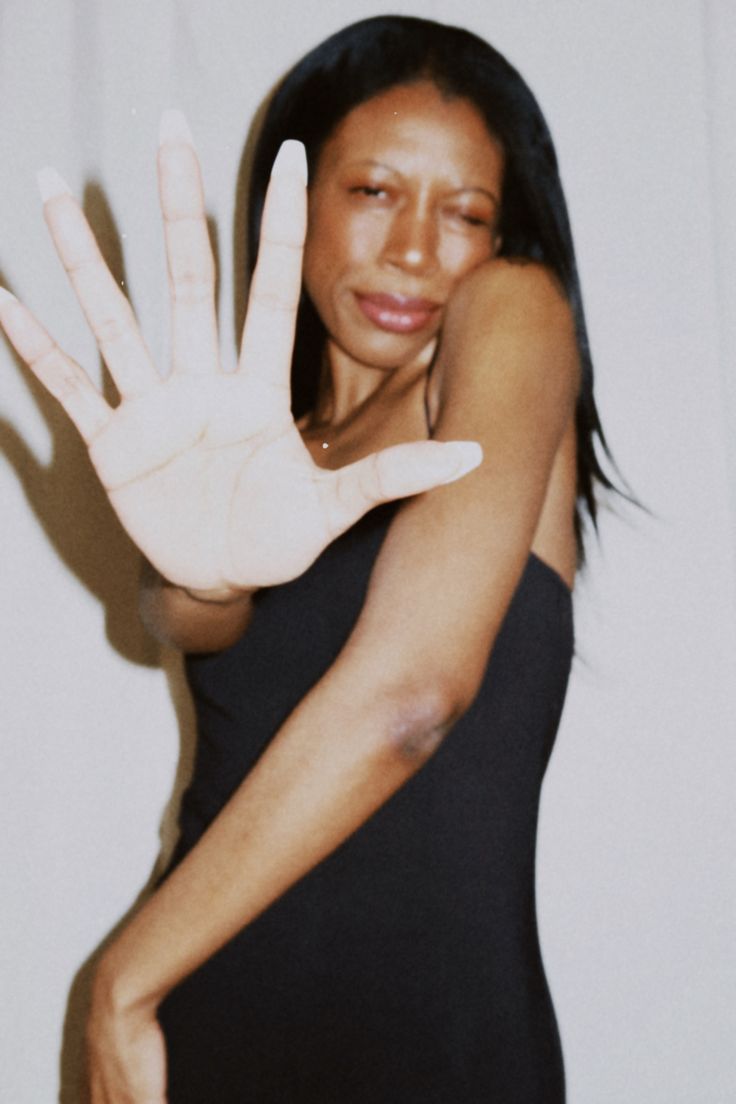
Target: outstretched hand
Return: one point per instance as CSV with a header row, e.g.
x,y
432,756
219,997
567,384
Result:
x,y
205,468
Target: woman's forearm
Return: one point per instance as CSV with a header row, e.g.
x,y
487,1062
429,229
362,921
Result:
x,y
340,755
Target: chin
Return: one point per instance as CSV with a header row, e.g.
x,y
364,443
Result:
x,y
385,351
391,356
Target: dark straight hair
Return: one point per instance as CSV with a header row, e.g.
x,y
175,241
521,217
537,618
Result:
x,y
375,54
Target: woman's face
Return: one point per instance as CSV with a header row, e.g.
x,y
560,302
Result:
x,y
404,202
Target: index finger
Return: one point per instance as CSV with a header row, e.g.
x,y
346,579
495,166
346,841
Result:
x,y
268,335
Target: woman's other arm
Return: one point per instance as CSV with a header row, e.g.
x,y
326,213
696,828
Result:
x,y
192,621
413,663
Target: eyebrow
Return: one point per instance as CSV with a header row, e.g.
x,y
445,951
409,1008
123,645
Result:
x,y
389,168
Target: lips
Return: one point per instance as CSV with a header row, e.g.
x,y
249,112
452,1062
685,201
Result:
x,y
397,313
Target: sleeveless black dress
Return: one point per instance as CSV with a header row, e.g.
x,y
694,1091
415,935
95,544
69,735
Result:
x,y
405,969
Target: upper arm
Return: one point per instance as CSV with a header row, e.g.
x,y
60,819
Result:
x,y
507,376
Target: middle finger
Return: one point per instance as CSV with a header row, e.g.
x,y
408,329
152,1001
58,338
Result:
x,y
191,265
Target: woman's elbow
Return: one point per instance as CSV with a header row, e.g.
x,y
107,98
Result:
x,y
421,717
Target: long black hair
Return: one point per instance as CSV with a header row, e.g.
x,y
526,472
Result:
x,y
375,54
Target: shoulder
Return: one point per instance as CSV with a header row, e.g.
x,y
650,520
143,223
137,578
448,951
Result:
x,y
510,289
509,326
513,276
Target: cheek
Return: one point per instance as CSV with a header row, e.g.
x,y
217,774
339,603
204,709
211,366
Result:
x,y
337,246
316,267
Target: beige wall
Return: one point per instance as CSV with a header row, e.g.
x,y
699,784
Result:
x,y
635,905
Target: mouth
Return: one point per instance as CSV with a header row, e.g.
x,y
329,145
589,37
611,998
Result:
x,y
397,313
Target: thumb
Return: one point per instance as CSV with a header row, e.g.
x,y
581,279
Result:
x,y
397,472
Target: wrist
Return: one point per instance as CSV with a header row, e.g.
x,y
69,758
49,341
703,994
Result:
x,y
154,581
218,596
116,992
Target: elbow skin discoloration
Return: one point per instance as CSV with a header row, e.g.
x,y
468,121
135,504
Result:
x,y
420,724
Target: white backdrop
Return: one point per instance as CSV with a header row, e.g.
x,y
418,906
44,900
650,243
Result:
x,y
636,910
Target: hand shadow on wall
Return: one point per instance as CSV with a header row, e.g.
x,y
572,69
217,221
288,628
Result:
x,y
72,508
67,498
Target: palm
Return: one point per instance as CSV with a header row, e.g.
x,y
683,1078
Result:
x,y
229,489
206,469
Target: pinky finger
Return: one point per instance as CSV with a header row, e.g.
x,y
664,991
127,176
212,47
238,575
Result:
x,y
60,375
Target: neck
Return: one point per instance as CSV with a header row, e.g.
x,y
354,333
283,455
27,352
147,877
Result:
x,y
346,386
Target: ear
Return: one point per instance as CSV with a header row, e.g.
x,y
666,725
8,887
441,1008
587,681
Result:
x,y
497,244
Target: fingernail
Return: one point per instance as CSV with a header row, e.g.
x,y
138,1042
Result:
x,y
51,185
291,159
174,128
469,455
6,296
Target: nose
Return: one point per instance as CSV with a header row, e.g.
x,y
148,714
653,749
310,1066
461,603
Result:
x,y
411,242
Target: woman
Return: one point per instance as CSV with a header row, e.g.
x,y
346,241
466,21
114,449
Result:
x,y
350,912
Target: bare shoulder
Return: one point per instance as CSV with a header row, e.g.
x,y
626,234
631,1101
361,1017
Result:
x,y
509,328
512,281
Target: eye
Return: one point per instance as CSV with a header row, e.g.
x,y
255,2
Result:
x,y
368,190
467,218
469,215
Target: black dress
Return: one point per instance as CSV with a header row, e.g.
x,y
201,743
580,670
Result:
x,y
405,969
